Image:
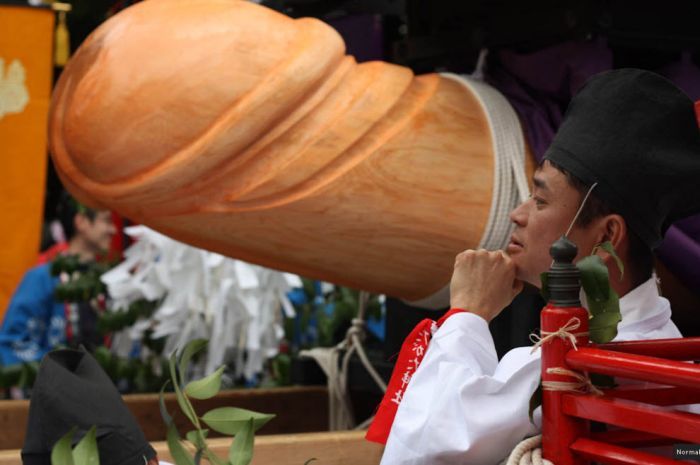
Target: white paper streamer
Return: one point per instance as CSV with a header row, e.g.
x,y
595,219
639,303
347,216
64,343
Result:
x,y
232,303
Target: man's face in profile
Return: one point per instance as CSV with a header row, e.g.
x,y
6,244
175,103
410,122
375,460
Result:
x,y
541,220
98,232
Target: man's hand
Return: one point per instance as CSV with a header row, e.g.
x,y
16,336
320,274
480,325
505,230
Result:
x,y
483,282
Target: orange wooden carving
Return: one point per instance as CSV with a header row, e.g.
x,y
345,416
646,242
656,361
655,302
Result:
x,y
235,128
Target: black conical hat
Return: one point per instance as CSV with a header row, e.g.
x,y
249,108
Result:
x,y
635,134
72,390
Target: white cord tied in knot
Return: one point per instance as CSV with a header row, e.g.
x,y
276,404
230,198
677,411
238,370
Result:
x,y
582,384
564,333
357,328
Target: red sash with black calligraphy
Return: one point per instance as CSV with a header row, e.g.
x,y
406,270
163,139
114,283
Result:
x,y
412,352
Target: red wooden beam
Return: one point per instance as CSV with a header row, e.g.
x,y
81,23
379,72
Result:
x,y
655,394
633,366
615,455
632,438
634,415
687,348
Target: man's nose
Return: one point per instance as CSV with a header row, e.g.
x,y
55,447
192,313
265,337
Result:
x,y
519,215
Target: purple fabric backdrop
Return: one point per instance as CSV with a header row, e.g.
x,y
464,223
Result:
x,y
680,250
539,85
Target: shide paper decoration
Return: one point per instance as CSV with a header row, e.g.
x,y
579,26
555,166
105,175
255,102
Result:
x,y
237,306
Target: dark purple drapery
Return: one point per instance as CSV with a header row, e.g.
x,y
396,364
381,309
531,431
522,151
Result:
x,y
539,85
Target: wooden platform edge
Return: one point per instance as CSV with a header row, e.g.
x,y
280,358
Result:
x,y
328,448
299,409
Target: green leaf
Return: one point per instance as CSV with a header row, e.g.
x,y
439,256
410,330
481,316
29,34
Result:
x,y
544,279
213,458
602,325
190,349
85,452
11,375
241,451
27,374
177,451
535,401
182,400
608,247
62,453
103,356
161,404
229,420
197,437
594,278
206,387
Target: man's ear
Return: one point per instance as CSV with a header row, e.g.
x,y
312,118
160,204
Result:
x,y
614,229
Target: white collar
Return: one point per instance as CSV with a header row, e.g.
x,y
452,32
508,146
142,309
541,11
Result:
x,y
641,306
644,306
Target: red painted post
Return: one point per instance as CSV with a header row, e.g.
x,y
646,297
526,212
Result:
x,y
559,431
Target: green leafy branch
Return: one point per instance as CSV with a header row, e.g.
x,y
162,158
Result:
x,y
84,453
21,375
603,301
603,308
231,421
84,278
116,320
141,375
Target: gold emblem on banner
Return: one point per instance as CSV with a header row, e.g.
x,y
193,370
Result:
x,y
14,95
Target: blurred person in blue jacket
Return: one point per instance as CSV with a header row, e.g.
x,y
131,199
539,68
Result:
x,y
35,321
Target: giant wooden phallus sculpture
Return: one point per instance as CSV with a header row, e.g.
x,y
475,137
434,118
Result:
x,y
232,127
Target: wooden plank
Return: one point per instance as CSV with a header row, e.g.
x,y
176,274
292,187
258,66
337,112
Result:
x,y
298,409
329,448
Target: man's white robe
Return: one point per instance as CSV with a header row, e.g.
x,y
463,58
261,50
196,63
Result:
x,y
463,406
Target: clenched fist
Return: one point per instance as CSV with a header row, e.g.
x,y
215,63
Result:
x,y
483,282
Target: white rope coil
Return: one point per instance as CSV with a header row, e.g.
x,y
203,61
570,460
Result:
x,y
510,185
527,452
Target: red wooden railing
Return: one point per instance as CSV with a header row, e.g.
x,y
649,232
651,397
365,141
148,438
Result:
x,y
640,413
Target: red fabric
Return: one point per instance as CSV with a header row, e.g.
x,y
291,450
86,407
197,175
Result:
x,y
411,354
52,252
69,326
697,112
116,249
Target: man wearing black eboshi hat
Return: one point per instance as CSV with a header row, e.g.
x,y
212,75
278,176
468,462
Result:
x,y
629,139
72,390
